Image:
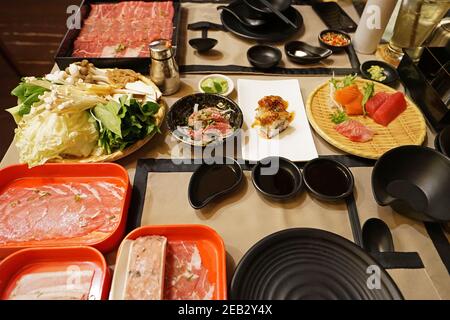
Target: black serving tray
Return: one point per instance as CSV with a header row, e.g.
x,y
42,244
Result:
x,y
421,81
64,57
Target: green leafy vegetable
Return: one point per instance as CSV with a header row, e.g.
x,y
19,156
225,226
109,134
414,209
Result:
x,y
345,82
27,94
107,115
369,89
122,124
338,117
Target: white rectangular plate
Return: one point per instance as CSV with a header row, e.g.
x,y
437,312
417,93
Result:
x,y
296,142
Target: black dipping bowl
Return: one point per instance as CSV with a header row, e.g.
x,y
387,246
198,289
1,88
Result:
x,y
184,107
414,181
328,180
331,47
442,141
280,182
211,181
302,53
389,71
263,57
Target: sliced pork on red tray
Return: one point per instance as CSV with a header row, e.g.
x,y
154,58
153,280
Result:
x,y
176,262
123,29
62,205
70,273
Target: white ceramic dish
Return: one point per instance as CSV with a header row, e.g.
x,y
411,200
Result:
x,y
296,142
227,79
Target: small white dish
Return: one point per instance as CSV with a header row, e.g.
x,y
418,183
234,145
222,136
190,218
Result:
x,y
227,79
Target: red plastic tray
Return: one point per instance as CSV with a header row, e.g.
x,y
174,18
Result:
x,y
35,260
22,176
208,241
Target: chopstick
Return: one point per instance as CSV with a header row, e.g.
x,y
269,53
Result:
x,y
277,12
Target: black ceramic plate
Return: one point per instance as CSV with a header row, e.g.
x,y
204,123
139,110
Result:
x,y
211,181
184,107
276,30
303,264
389,71
303,53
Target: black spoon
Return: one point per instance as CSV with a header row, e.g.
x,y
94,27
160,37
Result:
x,y
376,236
249,22
204,43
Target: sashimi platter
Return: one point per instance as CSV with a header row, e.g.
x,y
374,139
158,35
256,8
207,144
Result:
x,y
364,118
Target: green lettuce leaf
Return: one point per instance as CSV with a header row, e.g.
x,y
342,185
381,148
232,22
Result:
x,y
27,94
122,124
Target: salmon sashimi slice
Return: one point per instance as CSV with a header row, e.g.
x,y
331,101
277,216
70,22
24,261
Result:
x,y
355,107
375,102
355,131
390,109
347,94
146,273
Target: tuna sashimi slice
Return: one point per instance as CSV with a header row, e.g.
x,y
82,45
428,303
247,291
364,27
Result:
x,y
355,131
375,102
390,109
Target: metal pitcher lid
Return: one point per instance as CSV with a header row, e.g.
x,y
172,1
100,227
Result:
x,y
160,49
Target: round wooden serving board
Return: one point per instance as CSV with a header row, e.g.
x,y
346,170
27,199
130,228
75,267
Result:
x,y
408,129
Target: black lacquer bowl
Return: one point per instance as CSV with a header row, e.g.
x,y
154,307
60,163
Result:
x,y
213,180
305,264
414,181
181,110
389,71
277,178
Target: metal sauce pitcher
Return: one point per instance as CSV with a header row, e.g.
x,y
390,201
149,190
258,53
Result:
x,y
164,70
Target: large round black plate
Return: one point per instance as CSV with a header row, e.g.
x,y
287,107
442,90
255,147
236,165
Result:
x,y
301,263
273,31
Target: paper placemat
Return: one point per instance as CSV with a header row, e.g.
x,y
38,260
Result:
x,y
245,217
229,55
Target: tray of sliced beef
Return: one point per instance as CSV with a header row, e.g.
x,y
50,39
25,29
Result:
x,y
117,33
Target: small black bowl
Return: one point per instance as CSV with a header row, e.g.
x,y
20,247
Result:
x,y
263,57
328,180
389,71
277,178
331,47
211,181
414,181
302,53
184,107
442,141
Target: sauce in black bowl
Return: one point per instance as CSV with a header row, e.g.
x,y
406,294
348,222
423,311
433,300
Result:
x,y
283,183
328,179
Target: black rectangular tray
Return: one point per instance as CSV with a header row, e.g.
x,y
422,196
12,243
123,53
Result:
x,y
64,57
417,80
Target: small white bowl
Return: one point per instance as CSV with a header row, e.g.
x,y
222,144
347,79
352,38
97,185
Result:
x,y
229,81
